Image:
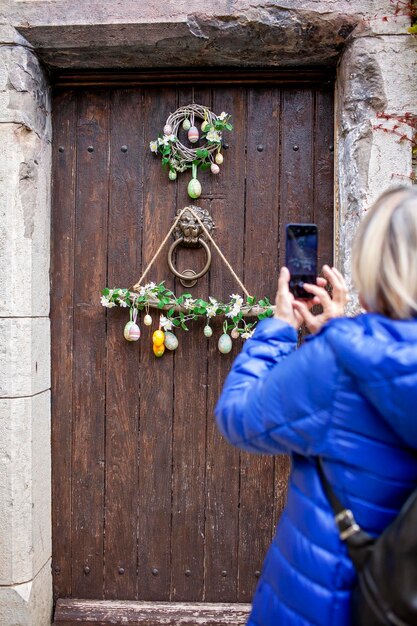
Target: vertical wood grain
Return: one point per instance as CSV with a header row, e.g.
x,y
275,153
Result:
x,y
190,411
156,376
222,476
88,452
122,388
62,285
260,273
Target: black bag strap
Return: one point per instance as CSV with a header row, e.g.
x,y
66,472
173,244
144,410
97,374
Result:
x,y
343,517
359,543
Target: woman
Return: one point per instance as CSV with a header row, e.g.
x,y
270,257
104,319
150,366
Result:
x,y
348,395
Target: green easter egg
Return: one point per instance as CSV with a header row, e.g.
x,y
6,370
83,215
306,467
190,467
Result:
x,y
194,188
186,124
225,344
172,174
208,331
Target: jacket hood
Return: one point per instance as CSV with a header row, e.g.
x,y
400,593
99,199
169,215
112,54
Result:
x,y
381,354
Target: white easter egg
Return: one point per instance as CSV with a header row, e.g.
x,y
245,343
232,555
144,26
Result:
x,y
219,158
208,331
225,344
131,331
170,341
193,134
167,129
147,320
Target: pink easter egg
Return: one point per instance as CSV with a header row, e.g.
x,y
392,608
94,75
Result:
x,y
193,134
215,169
131,331
167,129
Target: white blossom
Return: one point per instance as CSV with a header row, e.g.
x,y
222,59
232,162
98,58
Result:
x,y
247,334
214,136
211,311
153,145
165,323
123,303
222,116
188,303
106,302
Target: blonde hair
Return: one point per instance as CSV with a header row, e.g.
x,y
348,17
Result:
x,y
385,255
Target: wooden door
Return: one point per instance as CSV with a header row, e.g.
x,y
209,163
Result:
x,y
149,503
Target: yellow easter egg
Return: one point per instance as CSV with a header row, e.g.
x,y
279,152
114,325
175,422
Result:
x,y
158,350
158,338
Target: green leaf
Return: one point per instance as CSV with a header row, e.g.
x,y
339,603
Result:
x,y
229,126
202,153
205,166
183,326
186,295
176,322
412,29
105,291
250,300
170,312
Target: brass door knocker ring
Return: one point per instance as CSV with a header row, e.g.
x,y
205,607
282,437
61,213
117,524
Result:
x,y
189,277
189,233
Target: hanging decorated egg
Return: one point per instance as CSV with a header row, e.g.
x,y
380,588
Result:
x,y
172,175
170,342
205,125
193,134
186,124
194,188
225,344
158,350
131,331
208,331
219,158
147,320
235,333
167,129
158,338
215,169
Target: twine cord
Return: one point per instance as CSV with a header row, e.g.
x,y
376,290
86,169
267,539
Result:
x,y
225,261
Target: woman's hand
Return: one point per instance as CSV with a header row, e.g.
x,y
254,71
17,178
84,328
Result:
x,y
285,309
332,306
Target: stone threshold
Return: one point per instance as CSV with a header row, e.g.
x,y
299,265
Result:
x,y
77,612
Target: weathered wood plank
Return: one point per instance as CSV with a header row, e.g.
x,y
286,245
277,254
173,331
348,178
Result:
x,y
106,613
89,346
122,397
190,414
155,376
222,476
62,285
260,274
323,173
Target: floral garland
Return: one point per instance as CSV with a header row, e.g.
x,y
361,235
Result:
x,y
181,310
178,157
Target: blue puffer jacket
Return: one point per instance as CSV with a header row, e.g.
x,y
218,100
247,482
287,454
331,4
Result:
x,y
349,394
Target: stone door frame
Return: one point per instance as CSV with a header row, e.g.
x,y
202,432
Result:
x,y
374,74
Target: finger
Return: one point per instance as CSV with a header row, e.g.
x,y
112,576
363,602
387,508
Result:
x,y
283,280
322,282
338,284
308,317
320,293
335,279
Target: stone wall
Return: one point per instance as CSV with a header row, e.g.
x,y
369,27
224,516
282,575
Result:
x,y
376,73
25,462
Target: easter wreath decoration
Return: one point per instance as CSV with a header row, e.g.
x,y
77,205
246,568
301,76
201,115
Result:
x,y
180,310
179,157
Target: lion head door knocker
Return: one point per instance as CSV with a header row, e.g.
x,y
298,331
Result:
x,y
189,233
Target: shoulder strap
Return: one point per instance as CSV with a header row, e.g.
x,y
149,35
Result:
x,y
343,517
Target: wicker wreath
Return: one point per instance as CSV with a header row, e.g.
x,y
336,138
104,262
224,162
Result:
x,y
178,157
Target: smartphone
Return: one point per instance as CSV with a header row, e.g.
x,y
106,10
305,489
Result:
x,y
301,257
